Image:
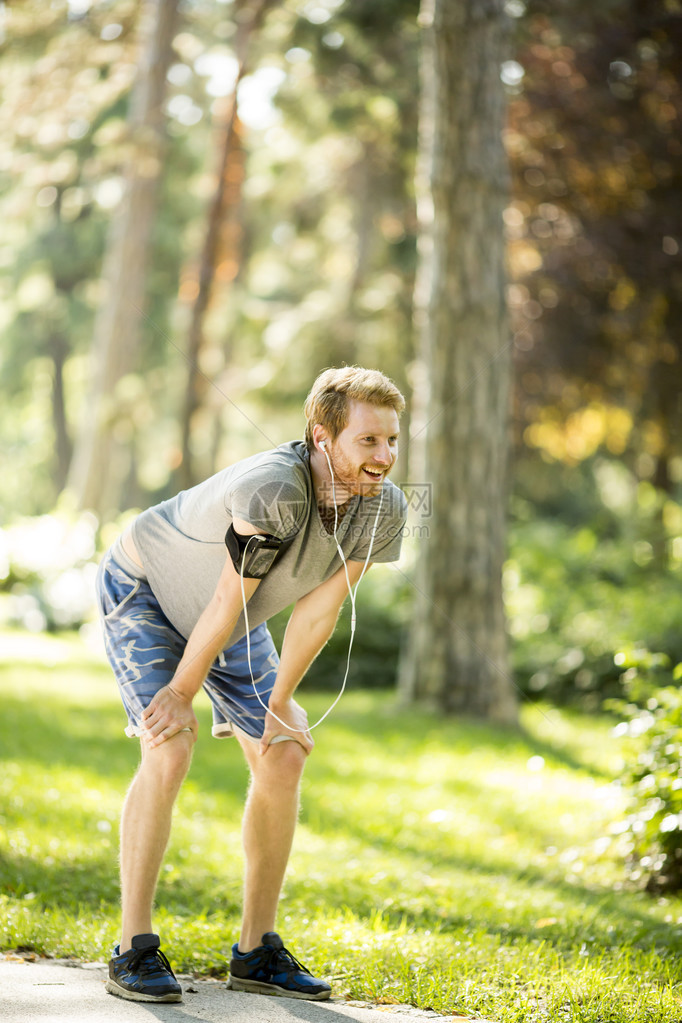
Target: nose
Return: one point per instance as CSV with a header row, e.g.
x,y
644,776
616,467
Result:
x,y
383,456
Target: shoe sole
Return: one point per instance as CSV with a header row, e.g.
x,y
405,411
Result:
x,y
259,987
139,996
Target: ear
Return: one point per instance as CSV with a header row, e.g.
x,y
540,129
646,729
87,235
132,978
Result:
x,y
320,438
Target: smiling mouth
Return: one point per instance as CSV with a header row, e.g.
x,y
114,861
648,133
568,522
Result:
x,y
375,475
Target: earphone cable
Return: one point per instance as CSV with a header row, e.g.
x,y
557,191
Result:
x,y
351,591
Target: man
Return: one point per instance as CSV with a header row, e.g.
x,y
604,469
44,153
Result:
x,y
173,593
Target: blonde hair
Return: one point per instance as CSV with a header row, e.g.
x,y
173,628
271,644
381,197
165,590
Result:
x,y
327,402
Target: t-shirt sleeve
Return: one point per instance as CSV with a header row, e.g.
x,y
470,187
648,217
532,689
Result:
x,y
389,535
268,501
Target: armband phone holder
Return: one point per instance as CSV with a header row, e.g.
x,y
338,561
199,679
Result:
x,y
253,555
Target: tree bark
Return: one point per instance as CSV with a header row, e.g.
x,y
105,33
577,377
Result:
x,y
101,457
222,213
457,653
58,350
220,210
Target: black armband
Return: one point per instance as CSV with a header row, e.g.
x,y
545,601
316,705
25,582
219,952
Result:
x,y
253,555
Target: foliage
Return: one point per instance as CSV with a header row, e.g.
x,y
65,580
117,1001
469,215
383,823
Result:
x,y
653,713
383,606
328,118
48,566
582,582
62,151
449,864
47,570
327,220
594,244
329,132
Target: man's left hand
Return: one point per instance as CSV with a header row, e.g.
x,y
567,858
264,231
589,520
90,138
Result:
x,y
296,725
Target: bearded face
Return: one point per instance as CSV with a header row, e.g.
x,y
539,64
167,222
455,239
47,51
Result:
x,y
365,451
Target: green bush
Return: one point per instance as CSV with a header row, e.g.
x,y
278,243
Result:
x,y
383,607
653,715
48,565
577,594
47,571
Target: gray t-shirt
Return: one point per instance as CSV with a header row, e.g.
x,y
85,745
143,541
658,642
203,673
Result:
x,y
182,541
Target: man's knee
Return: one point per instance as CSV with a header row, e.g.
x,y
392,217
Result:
x,y
286,760
172,758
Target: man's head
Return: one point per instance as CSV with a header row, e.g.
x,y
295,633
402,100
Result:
x,y
353,425
330,397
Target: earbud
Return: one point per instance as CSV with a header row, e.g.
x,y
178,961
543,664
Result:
x,y
323,444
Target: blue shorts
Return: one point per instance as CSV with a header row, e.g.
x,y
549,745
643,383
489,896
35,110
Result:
x,y
144,650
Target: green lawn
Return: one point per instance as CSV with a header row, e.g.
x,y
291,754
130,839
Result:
x,y
449,864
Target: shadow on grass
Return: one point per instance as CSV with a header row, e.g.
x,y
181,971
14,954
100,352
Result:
x,y
92,881
67,746
74,734
88,880
602,919
55,734
75,737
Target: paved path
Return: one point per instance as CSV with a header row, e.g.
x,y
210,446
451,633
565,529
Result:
x,y
54,991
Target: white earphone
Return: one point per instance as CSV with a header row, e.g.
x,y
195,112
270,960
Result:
x,y
351,592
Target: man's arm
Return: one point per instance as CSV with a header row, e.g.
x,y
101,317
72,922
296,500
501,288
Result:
x,y
311,624
170,711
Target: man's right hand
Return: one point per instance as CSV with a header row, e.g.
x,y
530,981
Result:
x,y
167,714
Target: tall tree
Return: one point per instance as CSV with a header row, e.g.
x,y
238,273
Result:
x,y
457,657
222,232
101,459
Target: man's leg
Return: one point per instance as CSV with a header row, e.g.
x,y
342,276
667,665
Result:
x,y
145,828
260,963
144,650
268,829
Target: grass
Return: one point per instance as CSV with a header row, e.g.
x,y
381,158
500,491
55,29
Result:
x,y
450,864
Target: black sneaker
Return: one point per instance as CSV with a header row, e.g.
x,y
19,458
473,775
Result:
x,y
271,970
143,974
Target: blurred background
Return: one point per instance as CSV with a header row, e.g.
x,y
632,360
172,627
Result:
x,y
271,147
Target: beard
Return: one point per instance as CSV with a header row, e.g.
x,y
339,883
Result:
x,y
351,479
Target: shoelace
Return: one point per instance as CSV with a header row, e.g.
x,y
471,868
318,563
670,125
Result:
x,y
154,954
284,956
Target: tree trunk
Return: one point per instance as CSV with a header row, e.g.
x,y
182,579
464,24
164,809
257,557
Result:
x,y
223,210
221,239
58,350
101,458
457,655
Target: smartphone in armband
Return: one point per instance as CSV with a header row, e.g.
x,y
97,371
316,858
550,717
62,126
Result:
x,y
254,555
